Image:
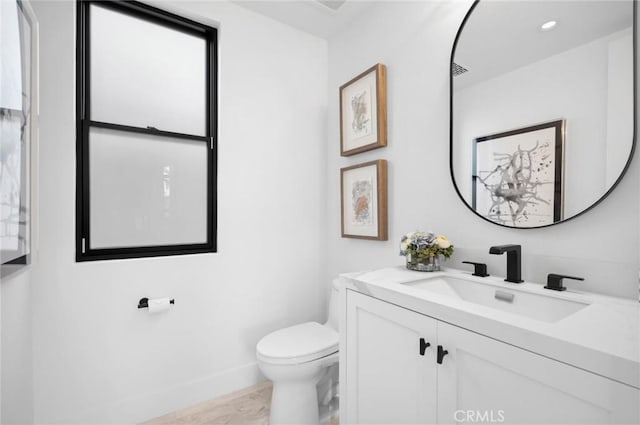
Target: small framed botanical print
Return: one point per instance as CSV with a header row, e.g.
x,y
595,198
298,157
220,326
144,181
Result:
x,y
364,200
363,112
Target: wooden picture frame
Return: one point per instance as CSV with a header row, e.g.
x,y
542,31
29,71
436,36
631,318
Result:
x,y
363,112
518,175
363,194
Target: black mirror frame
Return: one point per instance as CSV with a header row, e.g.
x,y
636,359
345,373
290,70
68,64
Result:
x,y
633,142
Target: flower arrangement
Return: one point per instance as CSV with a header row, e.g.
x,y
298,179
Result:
x,y
423,249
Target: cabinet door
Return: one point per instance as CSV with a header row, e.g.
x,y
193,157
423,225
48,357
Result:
x,y
388,381
485,380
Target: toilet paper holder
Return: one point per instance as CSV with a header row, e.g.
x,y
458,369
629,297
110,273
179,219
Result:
x,y
144,302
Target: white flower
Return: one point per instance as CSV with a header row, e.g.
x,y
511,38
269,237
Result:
x,y
442,242
403,247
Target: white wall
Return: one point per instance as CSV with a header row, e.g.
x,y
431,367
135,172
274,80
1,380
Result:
x,y
96,357
619,73
414,40
1,356
573,86
17,354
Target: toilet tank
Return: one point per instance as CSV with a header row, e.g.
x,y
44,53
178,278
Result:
x,y
332,317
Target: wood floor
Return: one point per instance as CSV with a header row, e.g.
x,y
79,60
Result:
x,y
249,406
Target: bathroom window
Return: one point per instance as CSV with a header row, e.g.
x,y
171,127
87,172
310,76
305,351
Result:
x,y
146,126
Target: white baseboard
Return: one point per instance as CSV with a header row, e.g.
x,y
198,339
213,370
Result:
x,y
152,405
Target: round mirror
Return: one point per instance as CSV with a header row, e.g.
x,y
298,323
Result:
x,y
542,107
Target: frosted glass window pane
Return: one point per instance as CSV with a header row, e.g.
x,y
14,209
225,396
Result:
x,y
146,190
145,74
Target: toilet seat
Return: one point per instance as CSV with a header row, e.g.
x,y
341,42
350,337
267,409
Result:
x,y
298,344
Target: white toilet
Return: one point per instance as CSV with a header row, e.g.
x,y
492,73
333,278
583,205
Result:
x,y
296,359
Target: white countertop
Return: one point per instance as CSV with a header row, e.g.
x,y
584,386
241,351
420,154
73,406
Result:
x,y
603,337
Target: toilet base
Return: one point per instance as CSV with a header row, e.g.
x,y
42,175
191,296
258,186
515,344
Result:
x,y
295,397
294,403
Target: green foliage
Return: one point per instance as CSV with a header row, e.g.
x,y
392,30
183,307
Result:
x,y
430,251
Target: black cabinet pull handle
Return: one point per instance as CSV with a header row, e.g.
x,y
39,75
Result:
x,y
441,353
423,346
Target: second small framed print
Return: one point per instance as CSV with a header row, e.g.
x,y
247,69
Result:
x,y
363,190
363,112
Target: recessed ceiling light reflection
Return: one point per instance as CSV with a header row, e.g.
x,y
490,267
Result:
x,y
548,26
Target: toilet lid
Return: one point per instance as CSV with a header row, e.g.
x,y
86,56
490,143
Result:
x,y
298,344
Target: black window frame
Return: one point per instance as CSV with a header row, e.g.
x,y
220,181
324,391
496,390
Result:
x,y
84,123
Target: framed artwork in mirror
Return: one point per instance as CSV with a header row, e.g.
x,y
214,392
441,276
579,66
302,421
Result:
x,y
17,127
363,190
517,177
363,112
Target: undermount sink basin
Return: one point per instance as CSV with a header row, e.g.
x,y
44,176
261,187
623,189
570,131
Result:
x,y
528,304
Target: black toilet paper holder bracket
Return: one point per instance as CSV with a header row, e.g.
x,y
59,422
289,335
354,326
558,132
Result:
x,y
144,302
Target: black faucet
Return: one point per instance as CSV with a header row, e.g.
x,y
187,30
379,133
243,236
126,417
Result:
x,y
479,269
554,281
513,261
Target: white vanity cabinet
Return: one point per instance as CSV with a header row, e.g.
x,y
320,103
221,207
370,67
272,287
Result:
x,y
484,376
388,381
480,379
